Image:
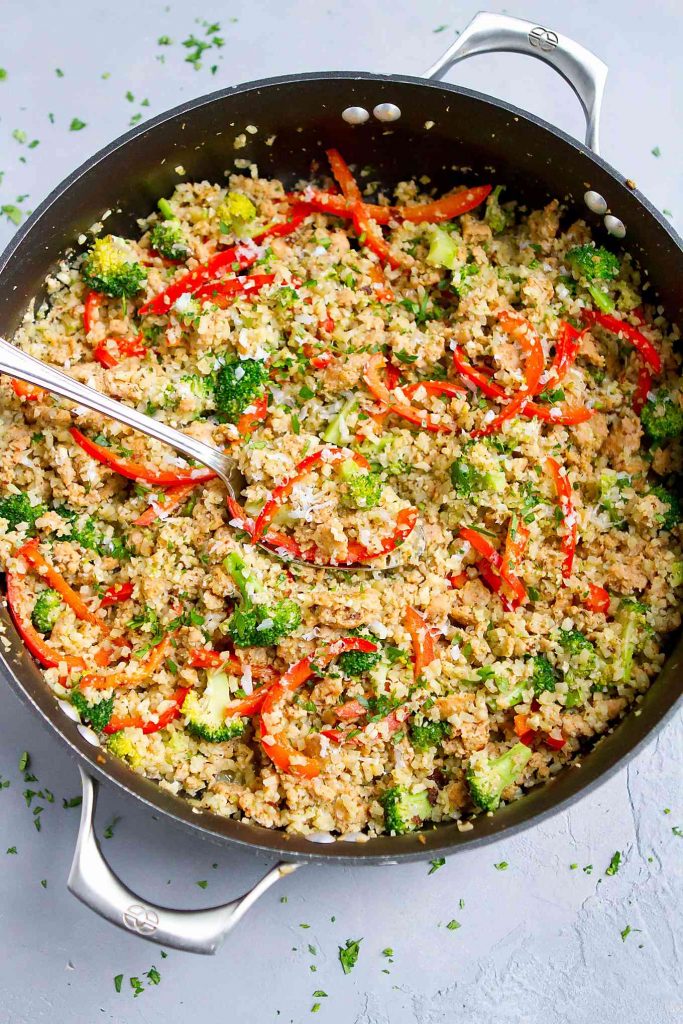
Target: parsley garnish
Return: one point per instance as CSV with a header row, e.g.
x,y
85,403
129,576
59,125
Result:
x,y
348,954
437,863
614,864
76,124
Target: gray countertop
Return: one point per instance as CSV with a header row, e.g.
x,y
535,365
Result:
x,y
542,940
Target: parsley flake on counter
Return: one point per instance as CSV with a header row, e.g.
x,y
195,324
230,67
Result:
x,y
627,931
502,865
109,830
3,74
118,981
137,987
348,954
453,925
656,151
614,864
677,831
436,863
43,882
203,884
76,124
11,849
59,73
24,761
73,801
153,976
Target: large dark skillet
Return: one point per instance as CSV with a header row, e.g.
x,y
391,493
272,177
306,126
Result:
x,y
440,127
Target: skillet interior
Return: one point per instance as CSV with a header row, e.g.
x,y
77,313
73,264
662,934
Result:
x,y
533,160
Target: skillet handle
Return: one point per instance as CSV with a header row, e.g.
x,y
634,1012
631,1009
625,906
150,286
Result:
x,y
585,72
93,882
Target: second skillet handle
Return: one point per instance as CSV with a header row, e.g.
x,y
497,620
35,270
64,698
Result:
x,y
585,72
93,882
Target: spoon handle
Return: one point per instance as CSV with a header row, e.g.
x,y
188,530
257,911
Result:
x,y
17,363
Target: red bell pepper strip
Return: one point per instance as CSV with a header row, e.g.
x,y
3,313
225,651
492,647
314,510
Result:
x,y
422,637
273,538
598,599
317,357
37,646
116,594
525,335
329,455
642,344
166,503
31,392
238,256
642,390
366,227
406,520
30,553
445,208
567,346
566,502
117,723
251,417
284,757
336,735
494,583
220,292
128,348
394,402
379,286
136,470
502,565
345,179
92,301
351,710
565,415
458,580
525,734
515,546
141,674
554,742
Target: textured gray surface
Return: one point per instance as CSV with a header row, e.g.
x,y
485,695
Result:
x,y
538,942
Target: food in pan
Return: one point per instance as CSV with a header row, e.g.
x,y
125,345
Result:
x,y
481,394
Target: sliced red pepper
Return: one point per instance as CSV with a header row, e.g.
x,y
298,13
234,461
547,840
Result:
x,y
30,553
458,580
329,455
127,347
483,546
561,414
238,256
166,503
221,292
519,328
494,583
136,470
37,646
116,594
567,346
336,735
92,301
366,227
406,521
642,344
393,400
554,742
515,546
598,599
117,723
284,757
255,414
445,208
643,389
344,177
31,392
153,663
379,285
566,502
273,538
525,734
351,710
422,637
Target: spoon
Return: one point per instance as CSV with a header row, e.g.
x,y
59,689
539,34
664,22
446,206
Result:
x,y
17,363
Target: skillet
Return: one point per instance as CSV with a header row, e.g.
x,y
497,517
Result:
x,y
399,126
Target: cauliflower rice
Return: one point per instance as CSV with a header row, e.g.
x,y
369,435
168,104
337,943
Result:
x,y
508,665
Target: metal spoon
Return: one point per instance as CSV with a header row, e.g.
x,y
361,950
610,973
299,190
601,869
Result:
x,y
17,363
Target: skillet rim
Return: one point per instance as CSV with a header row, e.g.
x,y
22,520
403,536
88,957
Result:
x,y
413,847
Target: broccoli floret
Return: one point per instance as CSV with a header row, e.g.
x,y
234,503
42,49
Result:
x,y
672,513
488,779
662,418
238,383
594,264
466,479
363,487
46,610
443,249
205,713
84,531
428,734
357,663
404,811
338,430
258,622
574,641
97,715
111,267
17,510
632,615
543,675
168,240
235,212
123,747
495,216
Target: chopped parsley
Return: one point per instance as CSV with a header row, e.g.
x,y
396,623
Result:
x,y
74,801
614,864
118,981
453,925
203,884
109,830
76,124
502,865
436,863
348,954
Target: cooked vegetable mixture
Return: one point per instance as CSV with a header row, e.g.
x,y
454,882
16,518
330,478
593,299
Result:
x,y
483,398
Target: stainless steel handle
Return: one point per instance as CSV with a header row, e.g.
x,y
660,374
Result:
x,y
17,363
93,882
584,72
